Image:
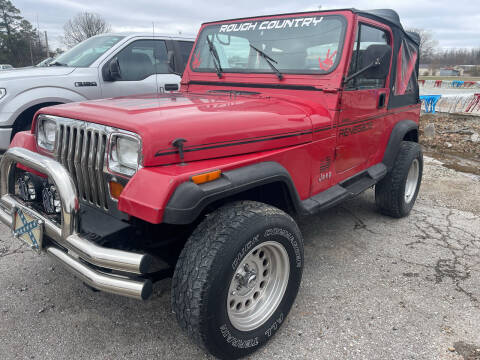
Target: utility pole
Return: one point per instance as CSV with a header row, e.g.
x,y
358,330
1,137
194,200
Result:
x,y
31,53
46,44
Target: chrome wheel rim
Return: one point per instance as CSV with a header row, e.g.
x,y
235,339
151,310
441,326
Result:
x,y
258,285
412,180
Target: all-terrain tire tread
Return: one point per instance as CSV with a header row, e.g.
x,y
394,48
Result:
x,y
191,280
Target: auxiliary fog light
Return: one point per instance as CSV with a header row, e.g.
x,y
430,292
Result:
x,y
51,199
25,188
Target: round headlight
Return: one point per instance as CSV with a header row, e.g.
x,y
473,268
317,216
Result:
x,y
46,133
124,154
127,151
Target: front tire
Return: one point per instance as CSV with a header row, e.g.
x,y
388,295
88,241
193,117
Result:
x,y
396,193
237,278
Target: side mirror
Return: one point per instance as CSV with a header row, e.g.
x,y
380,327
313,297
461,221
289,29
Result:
x,y
114,71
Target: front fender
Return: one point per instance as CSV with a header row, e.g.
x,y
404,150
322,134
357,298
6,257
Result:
x,y
40,95
146,194
156,197
189,199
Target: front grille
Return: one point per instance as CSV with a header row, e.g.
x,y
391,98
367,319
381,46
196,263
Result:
x,y
81,149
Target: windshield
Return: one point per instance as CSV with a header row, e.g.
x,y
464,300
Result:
x,y
85,53
300,45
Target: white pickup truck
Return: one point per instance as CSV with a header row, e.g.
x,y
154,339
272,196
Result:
x,y
103,66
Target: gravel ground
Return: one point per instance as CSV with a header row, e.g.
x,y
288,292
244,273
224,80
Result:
x,y
373,288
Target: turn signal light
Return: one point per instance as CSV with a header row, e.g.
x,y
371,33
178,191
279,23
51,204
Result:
x,y
206,177
115,189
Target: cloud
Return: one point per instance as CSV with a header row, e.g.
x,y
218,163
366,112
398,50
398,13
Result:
x,y
453,24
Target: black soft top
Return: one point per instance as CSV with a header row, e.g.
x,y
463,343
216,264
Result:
x,y
385,15
390,17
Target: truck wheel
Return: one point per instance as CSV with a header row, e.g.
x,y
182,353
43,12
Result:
x,y
396,193
237,278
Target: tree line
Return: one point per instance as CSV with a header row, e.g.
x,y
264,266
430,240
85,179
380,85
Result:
x,y
23,45
457,57
431,53
20,43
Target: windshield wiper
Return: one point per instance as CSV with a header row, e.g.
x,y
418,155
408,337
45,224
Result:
x,y
216,62
269,61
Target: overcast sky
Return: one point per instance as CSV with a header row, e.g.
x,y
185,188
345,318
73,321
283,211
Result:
x,y
453,23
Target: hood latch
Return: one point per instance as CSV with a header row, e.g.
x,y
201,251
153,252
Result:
x,y
178,143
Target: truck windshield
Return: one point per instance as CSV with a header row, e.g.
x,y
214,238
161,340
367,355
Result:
x,y
297,45
85,53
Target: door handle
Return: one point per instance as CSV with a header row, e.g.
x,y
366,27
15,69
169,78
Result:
x,y
381,100
171,87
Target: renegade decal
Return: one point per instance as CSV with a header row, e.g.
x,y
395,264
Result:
x,y
271,24
352,130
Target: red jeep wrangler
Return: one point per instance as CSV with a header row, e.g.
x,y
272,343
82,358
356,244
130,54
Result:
x,y
278,116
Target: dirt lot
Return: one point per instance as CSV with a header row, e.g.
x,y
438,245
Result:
x,y
455,140
373,288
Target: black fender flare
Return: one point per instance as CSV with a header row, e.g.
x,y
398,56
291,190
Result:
x,y
189,199
397,135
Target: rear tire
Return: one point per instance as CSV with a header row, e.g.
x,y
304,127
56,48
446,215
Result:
x,y
218,300
396,193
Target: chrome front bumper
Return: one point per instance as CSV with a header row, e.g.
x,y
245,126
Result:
x,y
78,254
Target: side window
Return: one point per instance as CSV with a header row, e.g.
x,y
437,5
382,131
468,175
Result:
x,y
185,47
143,58
406,79
370,41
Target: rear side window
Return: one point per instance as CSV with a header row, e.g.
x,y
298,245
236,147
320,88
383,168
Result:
x,y
368,37
406,76
184,47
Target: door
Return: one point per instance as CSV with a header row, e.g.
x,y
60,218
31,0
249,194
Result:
x,y
144,69
363,102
